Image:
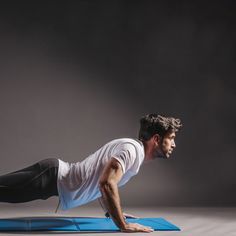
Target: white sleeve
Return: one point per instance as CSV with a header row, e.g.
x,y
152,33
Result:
x,y
125,153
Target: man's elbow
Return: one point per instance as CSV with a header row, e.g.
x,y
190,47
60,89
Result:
x,y
106,185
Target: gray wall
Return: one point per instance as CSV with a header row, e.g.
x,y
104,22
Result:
x,y
76,75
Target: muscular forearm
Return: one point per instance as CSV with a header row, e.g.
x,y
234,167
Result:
x,y
102,204
111,200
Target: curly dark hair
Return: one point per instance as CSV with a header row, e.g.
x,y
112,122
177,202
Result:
x,y
157,124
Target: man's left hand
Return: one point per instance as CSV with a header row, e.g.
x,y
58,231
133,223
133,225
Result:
x,y
126,215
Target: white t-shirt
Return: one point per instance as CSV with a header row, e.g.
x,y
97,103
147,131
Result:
x,y
78,183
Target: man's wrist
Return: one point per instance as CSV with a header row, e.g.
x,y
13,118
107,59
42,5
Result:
x,y
122,225
108,215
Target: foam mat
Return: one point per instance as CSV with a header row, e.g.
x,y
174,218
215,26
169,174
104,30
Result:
x,y
78,224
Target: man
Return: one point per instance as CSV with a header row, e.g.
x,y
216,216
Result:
x,y
97,176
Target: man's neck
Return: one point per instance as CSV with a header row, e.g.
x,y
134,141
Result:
x,y
147,151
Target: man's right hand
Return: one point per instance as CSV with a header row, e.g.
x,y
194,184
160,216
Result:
x,y
134,227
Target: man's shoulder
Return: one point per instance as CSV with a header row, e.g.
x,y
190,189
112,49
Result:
x,y
133,146
127,141
134,150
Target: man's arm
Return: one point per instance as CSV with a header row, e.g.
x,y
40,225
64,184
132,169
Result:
x,y
102,204
125,215
108,181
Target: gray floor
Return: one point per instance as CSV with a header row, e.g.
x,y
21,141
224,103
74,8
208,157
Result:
x,y
192,221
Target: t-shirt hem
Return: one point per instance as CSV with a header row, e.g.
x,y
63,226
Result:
x,y
122,164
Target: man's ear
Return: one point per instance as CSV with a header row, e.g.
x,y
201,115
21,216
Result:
x,y
156,139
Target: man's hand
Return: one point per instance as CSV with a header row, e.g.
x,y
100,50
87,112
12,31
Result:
x,y
126,215
133,227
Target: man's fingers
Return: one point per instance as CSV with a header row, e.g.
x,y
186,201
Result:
x,y
135,227
148,228
145,228
130,216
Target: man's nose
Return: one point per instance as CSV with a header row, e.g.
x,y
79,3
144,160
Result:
x,y
173,144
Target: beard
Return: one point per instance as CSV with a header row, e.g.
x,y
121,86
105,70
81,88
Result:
x,y
160,153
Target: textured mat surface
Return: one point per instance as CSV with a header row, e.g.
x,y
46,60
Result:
x,y
77,224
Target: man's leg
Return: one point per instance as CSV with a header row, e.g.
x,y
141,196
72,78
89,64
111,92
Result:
x,y
38,181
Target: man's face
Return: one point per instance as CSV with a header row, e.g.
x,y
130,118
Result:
x,y
165,145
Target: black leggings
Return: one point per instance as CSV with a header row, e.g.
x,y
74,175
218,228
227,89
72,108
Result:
x,y
38,181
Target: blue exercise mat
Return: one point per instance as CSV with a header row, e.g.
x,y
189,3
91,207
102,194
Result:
x,y
77,224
